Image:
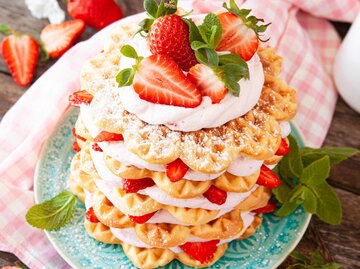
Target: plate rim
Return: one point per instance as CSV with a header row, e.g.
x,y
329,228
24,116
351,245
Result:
x,y
76,266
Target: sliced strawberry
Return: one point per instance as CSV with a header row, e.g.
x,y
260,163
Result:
x,y
160,80
201,251
76,147
270,207
20,53
90,215
73,130
215,195
134,185
141,219
176,170
207,82
96,147
283,149
106,136
80,98
267,178
237,37
58,38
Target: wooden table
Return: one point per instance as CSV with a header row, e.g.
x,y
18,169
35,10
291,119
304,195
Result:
x,y
340,243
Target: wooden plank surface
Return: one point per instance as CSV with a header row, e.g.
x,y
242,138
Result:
x,y
340,243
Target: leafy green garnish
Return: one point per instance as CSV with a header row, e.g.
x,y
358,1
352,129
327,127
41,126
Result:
x,y
303,173
312,260
52,214
126,76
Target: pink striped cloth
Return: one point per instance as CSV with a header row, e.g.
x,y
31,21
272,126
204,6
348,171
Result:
x,y
299,31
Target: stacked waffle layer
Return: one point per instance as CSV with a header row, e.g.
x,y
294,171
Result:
x,y
125,182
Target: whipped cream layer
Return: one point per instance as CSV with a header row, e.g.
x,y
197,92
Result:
x,y
206,115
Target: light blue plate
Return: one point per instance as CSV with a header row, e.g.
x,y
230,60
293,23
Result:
x,y
267,248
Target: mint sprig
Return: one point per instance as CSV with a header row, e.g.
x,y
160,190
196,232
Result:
x,y
126,76
312,260
304,173
52,214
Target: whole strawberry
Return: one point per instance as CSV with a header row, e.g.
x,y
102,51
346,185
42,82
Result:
x,y
96,13
169,35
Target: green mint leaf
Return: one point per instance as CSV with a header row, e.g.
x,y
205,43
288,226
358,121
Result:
x,y
282,192
286,209
196,45
232,59
236,72
194,34
201,56
52,214
297,195
336,155
299,257
213,58
125,77
151,7
232,86
129,52
145,25
316,172
328,204
5,29
211,30
291,165
310,201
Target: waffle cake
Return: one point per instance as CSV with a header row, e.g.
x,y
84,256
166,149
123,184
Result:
x,y
171,163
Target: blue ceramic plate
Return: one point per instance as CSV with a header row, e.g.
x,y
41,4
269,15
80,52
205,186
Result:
x,y
267,248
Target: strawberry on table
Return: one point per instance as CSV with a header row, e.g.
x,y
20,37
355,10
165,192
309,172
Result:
x,y
95,13
207,82
240,32
20,53
176,170
80,98
134,185
267,178
283,148
215,195
58,38
106,136
201,251
141,219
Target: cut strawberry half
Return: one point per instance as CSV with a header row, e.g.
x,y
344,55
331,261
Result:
x,y
96,147
270,207
176,170
76,147
80,98
134,185
90,215
201,251
207,82
283,149
159,80
73,130
267,178
58,38
106,136
237,37
141,219
215,195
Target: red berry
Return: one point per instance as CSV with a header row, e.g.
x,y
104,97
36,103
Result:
x,y
270,207
169,35
176,170
267,178
201,251
73,130
283,148
160,80
215,195
96,147
134,185
106,136
90,215
80,98
141,219
76,147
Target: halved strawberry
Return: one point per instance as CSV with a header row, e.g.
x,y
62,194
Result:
x,y
270,207
207,82
20,53
134,185
201,251
73,130
283,149
160,80
58,38
80,98
106,136
96,147
267,178
215,195
141,219
237,37
90,215
176,170
76,147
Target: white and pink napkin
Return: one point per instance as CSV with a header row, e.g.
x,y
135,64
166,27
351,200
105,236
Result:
x,y
300,31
